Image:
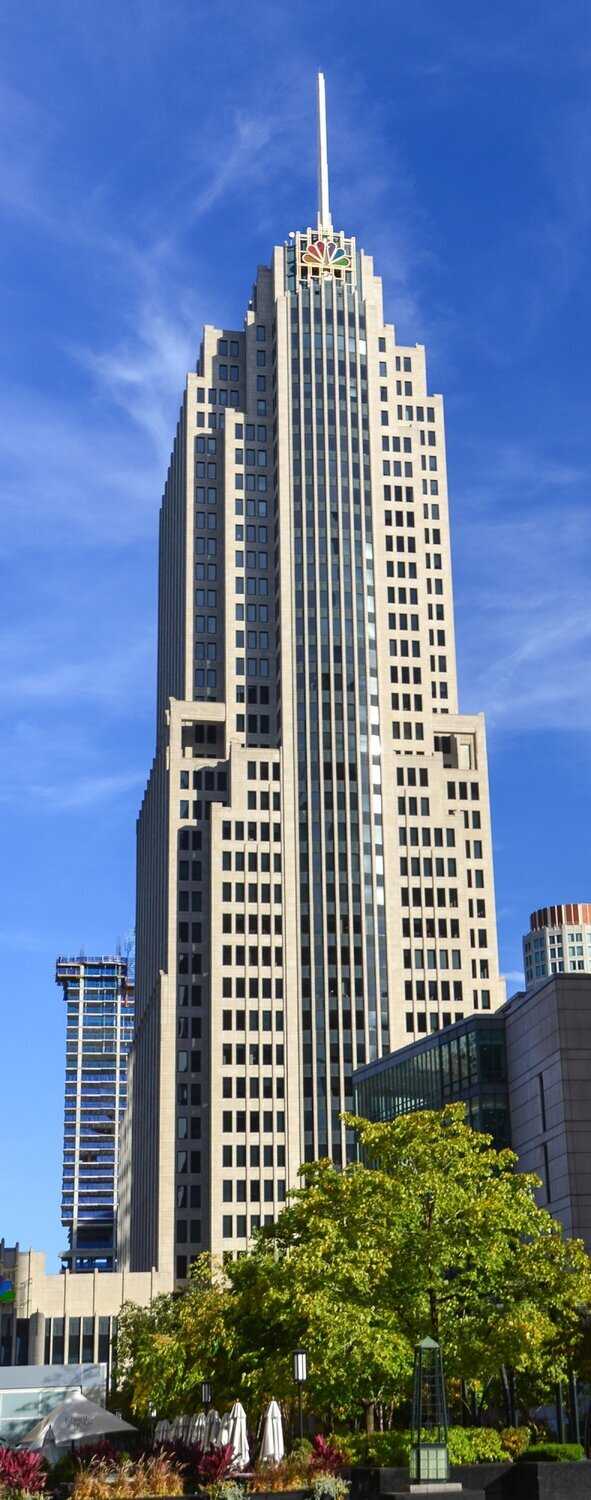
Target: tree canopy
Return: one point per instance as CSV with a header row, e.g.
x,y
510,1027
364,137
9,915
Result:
x,y
434,1231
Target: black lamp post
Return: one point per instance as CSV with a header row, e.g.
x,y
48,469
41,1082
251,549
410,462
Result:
x,y
300,1375
206,1393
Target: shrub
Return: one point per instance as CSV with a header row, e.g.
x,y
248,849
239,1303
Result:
x,y
302,1450
22,1471
290,1474
467,1445
152,1475
215,1465
326,1456
329,1487
515,1440
558,1453
378,1449
63,1471
475,1445
226,1489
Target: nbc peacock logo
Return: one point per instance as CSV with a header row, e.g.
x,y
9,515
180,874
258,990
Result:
x,y
325,255
6,1290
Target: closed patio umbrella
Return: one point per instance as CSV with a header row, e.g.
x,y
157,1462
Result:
x,y
272,1445
212,1429
200,1428
238,1437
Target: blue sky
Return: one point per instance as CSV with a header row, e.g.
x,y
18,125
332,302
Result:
x,y
152,153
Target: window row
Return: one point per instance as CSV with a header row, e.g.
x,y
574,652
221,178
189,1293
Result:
x,y
265,1088
429,897
263,958
257,1020
239,923
254,1055
259,832
234,1122
259,895
236,1191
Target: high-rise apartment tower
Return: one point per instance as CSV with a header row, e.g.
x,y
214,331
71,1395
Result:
x,y
558,942
315,881
99,1031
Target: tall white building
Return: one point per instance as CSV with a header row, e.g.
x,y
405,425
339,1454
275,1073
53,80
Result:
x,y
558,942
315,879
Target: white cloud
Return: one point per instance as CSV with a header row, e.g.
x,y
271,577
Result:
x,y
86,791
522,580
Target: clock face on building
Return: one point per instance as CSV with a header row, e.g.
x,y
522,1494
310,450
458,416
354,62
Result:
x,y
325,255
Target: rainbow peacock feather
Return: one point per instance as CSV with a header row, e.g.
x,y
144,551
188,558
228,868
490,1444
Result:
x,y
326,254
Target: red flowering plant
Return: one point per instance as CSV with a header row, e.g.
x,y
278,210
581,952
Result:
x,y
199,1467
100,1448
216,1464
326,1456
21,1472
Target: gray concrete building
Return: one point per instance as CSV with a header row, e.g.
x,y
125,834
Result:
x,y
315,879
524,1075
548,1036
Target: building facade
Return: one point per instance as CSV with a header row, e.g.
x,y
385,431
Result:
x,y
525,1076
466,1063
99,998
64,1319
315,879
558,942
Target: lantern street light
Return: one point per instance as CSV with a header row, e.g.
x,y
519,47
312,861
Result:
x,y
429,1461
300,1375
206,1393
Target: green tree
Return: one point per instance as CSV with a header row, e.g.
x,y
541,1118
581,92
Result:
x,y
434,1232
437,1233
164,1351
471,1257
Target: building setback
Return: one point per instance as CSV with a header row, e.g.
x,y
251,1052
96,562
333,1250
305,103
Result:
x,y
315,879
99,1000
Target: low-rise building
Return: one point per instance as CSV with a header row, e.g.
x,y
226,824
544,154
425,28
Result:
x,y
525,1076
66,1318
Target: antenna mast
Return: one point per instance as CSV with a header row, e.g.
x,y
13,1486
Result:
x,y
324,219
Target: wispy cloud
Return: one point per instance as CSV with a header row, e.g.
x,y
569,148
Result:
x,y
524,555
35,671
87,792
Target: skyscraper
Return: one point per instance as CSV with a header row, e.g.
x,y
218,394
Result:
x,y
315,881
99,1031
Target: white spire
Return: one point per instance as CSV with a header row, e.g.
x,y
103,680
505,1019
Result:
x,y
324,219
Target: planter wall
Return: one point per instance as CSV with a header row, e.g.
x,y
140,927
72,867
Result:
x,y
548,1481
519,1481
487,1477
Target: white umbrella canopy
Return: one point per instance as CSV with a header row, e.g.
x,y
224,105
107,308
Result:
x,y
224,1433
272,1445
212,1429
200,1428
74,1421
196,1428
238,1437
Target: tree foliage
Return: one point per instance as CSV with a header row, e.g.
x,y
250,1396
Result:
x,y
434,1232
